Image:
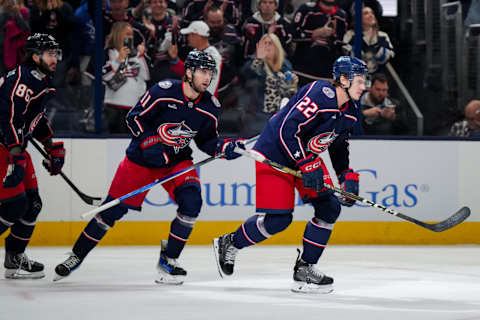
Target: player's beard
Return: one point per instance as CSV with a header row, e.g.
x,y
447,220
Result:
x,y
44,68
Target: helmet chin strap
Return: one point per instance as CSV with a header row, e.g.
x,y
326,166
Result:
x,y
346,90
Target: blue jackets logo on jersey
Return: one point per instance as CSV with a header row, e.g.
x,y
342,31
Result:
x,y
320,143
176,135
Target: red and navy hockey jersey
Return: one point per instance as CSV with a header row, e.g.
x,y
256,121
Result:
x,y
23,95
164,122
311,122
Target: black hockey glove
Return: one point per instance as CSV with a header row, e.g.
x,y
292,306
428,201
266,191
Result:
x,y
56,159
349,181
15,170
228,148
312,172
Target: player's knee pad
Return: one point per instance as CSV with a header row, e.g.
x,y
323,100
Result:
x,y
327,209
189,200
34,206
107,218
275,223
12,211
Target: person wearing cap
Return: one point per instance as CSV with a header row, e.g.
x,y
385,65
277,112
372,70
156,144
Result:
x,y
197,34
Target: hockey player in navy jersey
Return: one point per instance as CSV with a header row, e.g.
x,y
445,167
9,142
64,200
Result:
x,y
317,118
163,123
24,92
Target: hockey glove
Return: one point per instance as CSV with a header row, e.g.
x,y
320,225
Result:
x,y
312,172
349,182
56,159
15,170
228,148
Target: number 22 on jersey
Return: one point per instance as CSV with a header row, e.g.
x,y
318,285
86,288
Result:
x,y
307,107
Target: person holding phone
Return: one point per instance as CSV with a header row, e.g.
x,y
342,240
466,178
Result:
x,y
125,75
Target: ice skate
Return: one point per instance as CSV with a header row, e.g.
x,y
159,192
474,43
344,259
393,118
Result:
x,y
19,266
168,269
225,253
65,268
307,279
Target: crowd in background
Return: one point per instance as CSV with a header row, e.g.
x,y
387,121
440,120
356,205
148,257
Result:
x,y
265,50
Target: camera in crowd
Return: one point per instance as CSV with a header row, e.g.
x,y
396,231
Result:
x,y
128,42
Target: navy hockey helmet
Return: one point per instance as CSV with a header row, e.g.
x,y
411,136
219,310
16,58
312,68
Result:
x,y
40,42
349,67
200,59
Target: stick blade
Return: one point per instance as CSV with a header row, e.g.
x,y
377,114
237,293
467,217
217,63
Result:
x,y
457,218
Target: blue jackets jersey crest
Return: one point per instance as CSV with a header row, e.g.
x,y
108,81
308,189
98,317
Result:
x,y
311,122
164,121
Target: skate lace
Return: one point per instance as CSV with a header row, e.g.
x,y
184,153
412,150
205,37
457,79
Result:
x,y
313,273
72,261
23,259
230,253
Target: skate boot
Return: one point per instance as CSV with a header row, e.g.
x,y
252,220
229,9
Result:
x,y
19,266
225,253
65,268
168,269
307,279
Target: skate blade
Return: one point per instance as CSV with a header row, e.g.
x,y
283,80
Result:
x,y
15,274
311,288
170,280
57,277
217,258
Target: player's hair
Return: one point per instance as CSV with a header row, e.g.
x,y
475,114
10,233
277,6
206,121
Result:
x,y
115,37
279,57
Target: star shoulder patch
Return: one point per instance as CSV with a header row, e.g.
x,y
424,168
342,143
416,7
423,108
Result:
x,y
216,102
328,92
165,84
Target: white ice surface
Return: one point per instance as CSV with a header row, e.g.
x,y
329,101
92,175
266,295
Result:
x,y
371,282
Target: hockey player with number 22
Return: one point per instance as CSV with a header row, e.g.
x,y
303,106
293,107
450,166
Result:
x,y
163,122
24,93
317,118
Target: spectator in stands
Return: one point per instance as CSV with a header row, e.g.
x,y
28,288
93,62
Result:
x,y
349,7
473,16
56,18
195,10
14,30
470,126
318,29
270,82
160,22
265,20
125,74
377,49
225,38
119,11
197,35
381,114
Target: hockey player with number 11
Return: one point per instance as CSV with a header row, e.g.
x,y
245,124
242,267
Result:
x,y
167,117
317,118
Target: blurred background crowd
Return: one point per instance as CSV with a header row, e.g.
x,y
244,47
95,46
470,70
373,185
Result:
x,y
423,57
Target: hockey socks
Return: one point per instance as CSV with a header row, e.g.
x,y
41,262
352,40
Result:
x,y
180,231
260,227
315,239
90,236
20,234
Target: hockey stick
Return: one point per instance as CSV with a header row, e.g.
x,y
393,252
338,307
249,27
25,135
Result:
x,y
151,185
94,201
446,224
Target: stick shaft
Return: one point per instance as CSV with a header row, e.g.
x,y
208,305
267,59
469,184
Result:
x,y
151,185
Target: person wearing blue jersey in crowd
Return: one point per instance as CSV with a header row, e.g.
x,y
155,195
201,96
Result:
x,y
163,123
24,93
319,117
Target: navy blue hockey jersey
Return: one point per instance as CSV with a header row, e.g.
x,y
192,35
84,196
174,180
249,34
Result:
x,y
164,121
23,96
311,122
